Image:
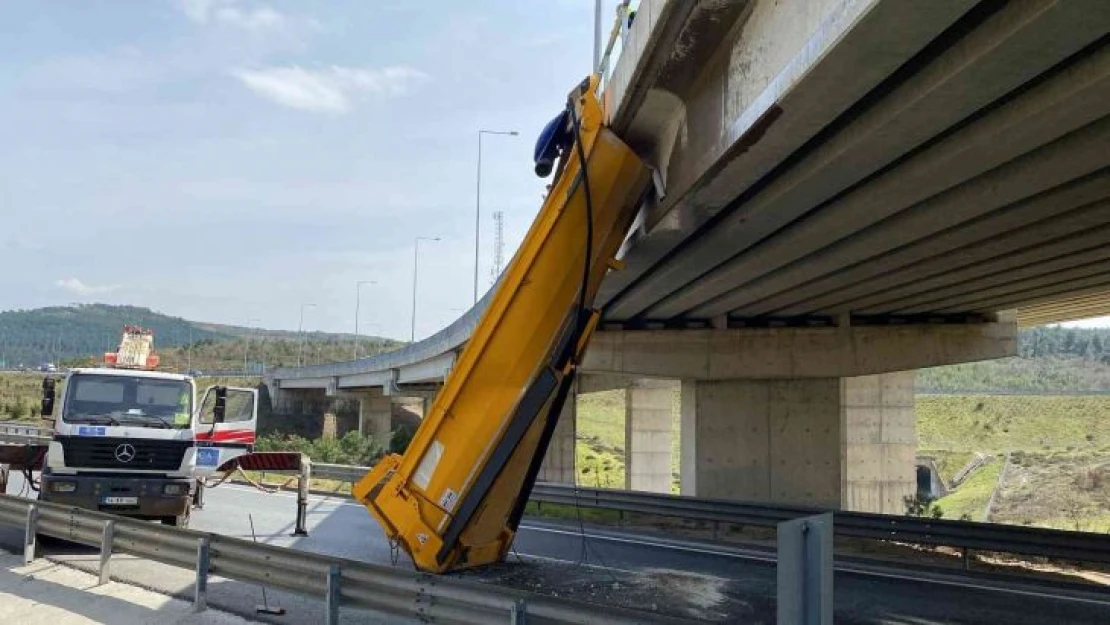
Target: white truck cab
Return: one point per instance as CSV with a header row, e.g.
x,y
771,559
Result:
x,y
136,442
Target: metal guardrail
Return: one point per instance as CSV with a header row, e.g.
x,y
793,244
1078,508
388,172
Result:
x,y
21,434
336,581
339,472
1034,541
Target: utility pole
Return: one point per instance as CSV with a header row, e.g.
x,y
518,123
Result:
x,y
478,200
415,264
498,245
247,342
300,332
358,300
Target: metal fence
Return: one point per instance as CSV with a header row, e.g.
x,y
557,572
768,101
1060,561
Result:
x,y
336,581
1035,541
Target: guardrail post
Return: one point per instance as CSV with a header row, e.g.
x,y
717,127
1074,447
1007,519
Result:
x,y
331,602
29,536
299,528
805,571
106,540
200,590
518,614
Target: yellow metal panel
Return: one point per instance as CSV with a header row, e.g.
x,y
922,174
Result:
x,y
416,495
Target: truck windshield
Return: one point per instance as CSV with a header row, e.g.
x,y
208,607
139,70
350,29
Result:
x,y
126,400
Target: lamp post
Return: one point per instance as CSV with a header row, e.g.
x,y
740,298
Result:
x,y
358,300
247,342
478,200
300,332
415,256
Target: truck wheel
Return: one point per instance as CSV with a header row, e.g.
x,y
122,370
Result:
x,y
180,520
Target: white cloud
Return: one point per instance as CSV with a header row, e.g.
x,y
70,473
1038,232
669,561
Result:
x,y
232,13
73,285
331,90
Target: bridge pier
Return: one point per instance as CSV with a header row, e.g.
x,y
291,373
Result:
x,y
559,463
647,436
838,442
817,416
375,414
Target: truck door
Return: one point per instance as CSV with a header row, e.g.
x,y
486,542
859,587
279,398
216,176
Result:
x,y
225,426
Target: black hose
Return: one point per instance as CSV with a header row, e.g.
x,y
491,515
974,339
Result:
x,y
582,316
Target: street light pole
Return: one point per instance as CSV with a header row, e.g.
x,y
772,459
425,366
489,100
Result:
x,y
358,300
247,342
478,200
415,256
300,332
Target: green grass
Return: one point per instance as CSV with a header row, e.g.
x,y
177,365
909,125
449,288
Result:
x,y
971,497
600,448
993,424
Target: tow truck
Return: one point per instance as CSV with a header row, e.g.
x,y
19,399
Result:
x,y
454,499
130,440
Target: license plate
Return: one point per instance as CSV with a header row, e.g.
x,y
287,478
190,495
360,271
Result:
x,y
121,501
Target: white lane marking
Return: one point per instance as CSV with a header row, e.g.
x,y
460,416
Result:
x,y
845,568
524,556
648,543
970,584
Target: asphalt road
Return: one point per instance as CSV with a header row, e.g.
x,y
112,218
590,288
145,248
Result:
x,y
701,580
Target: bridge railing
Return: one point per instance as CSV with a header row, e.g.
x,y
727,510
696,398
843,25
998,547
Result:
x,y
446,340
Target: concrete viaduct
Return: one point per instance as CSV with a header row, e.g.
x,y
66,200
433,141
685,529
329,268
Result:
x,y
854,189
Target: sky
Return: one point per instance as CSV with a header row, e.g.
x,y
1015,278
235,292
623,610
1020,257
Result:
x,y
231,160
237,161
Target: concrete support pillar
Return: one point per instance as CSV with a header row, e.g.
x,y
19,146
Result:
x,y
558,464
375,415
880,442
835,442
329,428
647,437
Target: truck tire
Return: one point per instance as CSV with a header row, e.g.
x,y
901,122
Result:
x,y
180,520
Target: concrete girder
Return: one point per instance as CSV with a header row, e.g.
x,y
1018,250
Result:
x,y
305,383
908,200
1094,305
759,353
1075,155
933,262
1077,265
1007,49
598,382
1037,295
792,69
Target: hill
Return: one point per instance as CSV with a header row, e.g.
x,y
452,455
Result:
x,y
79,335
1049,359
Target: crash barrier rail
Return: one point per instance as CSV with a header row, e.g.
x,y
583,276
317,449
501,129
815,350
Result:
x,y
337,581
339,472
20,433
967,535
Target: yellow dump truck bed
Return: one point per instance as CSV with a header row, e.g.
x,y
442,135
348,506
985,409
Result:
x,y
455,497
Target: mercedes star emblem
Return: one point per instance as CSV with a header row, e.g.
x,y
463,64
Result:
x,y
125,452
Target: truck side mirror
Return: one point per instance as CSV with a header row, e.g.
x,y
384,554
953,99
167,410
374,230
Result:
x,y
219,410
48,394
